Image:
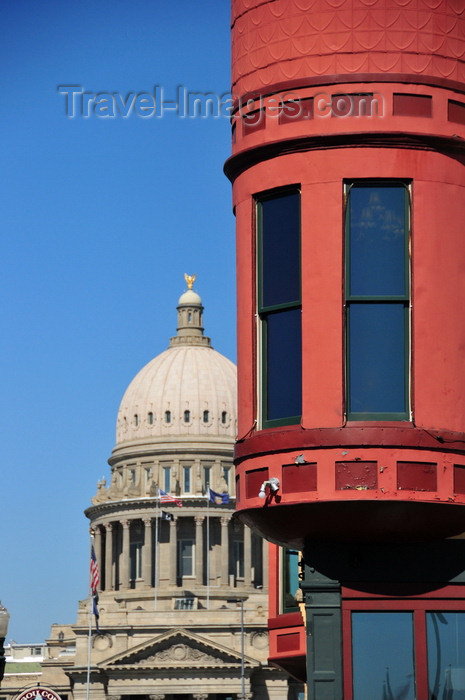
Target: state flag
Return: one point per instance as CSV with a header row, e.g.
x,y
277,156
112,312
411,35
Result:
x,y
218,498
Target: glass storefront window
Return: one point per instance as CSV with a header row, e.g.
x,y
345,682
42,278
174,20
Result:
x,y
446,655
383,661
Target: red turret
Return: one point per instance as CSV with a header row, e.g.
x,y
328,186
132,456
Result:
x,y
348,188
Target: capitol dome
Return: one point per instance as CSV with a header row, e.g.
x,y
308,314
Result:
x,y
187,391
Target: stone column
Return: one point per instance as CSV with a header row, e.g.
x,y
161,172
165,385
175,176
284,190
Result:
x,y
147,553
173,551
98,553
125,554
109,557
224,551
199,549
247,556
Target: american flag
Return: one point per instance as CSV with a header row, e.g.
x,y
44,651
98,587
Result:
x,y
94,574
166,498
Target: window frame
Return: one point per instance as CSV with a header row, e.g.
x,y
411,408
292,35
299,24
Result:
x,y
285,579
167,479
186,478
351,300
263,311
180,559
207,471
238,559
419,607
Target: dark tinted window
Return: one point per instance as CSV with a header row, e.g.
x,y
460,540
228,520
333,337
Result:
x,y
377,254
376,367
283,364
279,222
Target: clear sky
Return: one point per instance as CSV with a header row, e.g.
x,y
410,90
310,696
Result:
x,y
100,218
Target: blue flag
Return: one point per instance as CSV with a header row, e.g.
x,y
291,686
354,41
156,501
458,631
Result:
x,y
95,610
218,498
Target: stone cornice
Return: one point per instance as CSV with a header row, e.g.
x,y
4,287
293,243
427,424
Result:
x,y
149,506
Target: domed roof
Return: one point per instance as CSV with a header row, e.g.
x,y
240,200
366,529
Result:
x,y
188,390
189,297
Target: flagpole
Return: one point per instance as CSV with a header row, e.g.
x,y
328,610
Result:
x,y
155,582
89,640
208,547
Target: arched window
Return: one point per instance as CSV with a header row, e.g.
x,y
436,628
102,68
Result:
x,y
136,420
224,417
206,416
167,416
150,418
187,416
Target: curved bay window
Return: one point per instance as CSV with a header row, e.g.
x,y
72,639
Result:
x,y
377,285
279,306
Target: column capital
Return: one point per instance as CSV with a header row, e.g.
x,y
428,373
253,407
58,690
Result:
x,y
108,526
199,519
200,696
125,523
147,521
157,696
224,521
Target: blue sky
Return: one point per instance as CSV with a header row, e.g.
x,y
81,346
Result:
x,y
100,218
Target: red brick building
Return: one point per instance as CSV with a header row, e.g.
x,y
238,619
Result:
x,y
348,190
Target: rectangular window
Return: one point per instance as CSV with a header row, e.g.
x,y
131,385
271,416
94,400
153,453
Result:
x,y
446,654
186,479
377,295
289,579
383,663
185,558
279,307
136,560
238,555
207,477
167,479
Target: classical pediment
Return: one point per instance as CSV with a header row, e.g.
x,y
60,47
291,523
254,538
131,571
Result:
x,y
176,649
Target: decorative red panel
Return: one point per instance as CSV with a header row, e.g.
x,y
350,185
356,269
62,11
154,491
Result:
x,y
456,112
296,110
253,480
354,105
412,105
299,477
253,121
356,475
416,476
459,478
288,642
